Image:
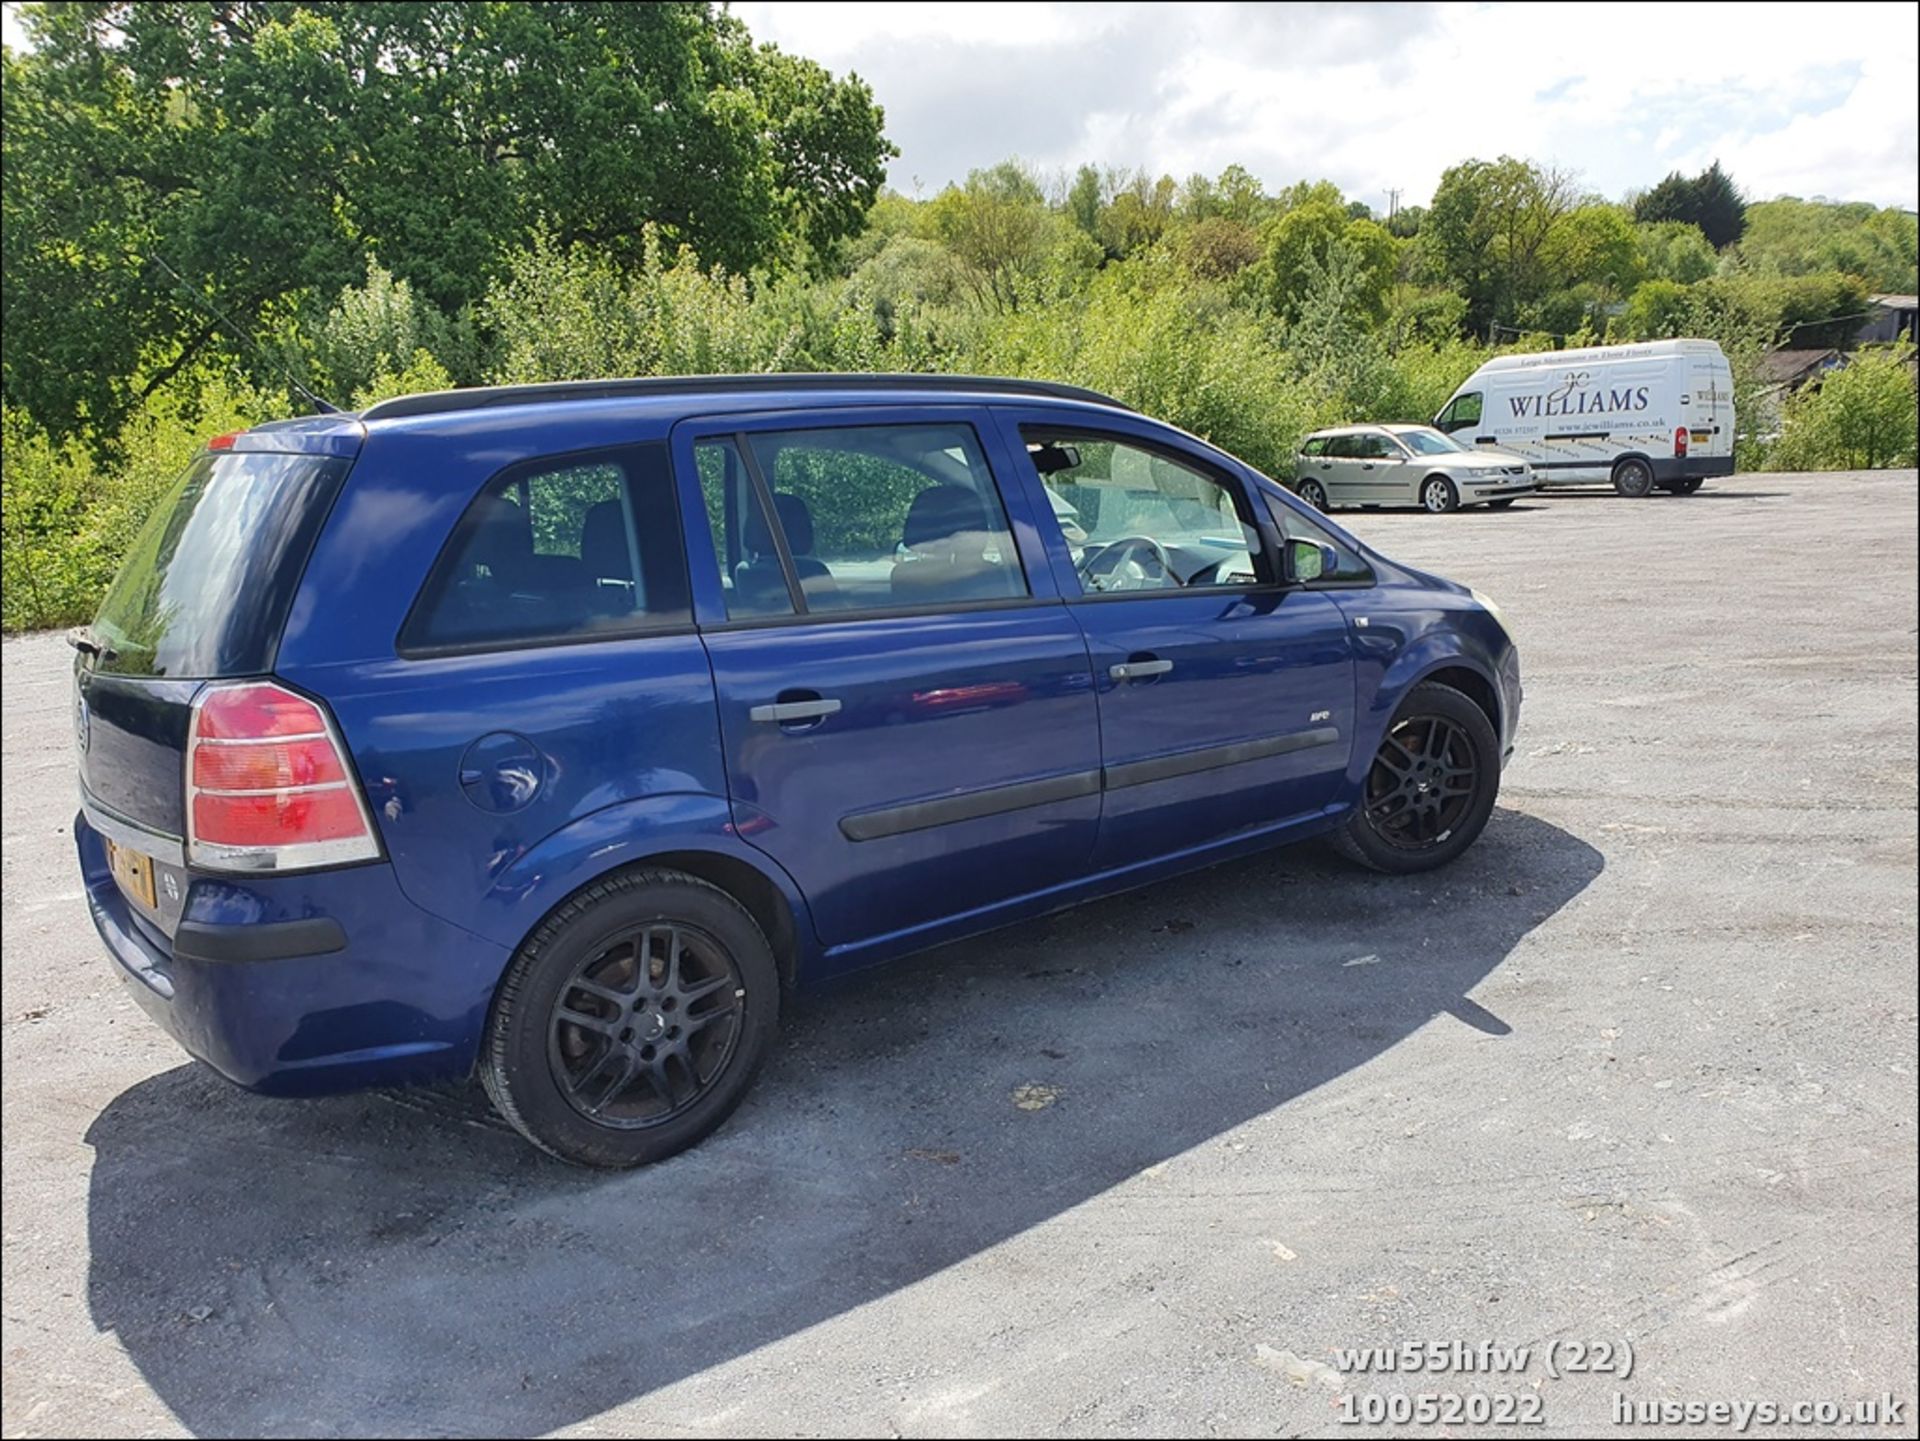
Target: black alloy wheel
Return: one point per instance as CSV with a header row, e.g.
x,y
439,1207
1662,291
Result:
x,y
1431,785
633,1020
1422,783
646,1025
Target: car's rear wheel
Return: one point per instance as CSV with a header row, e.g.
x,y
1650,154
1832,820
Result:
x,y
1438,495
1633,478
1431,786
633,1021
1313,493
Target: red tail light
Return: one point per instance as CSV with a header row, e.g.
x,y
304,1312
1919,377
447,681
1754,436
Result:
x,y
268,784
1680,440
225,442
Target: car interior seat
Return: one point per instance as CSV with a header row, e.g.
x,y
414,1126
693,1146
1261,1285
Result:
x,y
955,553
758,582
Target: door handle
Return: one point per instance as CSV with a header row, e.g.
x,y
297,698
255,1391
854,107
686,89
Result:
x,y
1139,669
786,711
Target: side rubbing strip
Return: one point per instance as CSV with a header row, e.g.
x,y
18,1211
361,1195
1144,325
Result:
x,y
972,805
1186,763
898,820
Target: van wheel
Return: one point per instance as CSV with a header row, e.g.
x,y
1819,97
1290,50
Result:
x,y
633,1021
1313,493
1633,478
1438,495
1431,787
1687,486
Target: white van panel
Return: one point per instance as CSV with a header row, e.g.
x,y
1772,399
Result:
x,y
1573,414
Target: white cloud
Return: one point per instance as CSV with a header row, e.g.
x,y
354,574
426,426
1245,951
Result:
x,y
1792,99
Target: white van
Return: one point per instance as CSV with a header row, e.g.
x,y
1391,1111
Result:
x,y
1658,414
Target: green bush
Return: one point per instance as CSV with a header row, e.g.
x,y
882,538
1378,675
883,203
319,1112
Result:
x,y
1860,417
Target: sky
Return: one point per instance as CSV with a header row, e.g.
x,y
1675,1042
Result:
x,y
1792,98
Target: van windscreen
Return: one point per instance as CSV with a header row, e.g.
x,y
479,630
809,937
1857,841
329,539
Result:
x,y
205,589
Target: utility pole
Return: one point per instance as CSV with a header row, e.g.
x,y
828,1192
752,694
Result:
x,y
1393,204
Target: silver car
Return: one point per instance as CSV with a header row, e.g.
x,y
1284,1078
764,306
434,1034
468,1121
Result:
x,y
1405,465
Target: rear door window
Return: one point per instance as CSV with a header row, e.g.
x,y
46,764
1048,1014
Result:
x,y
204,592
876,517
577,548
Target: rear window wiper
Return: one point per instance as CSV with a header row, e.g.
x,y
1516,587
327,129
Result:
x,y
83,639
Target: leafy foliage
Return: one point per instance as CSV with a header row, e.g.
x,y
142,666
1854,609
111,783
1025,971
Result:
x,y
466,193
1860,416
263,151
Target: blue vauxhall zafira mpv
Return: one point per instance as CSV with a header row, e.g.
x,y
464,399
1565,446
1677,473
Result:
x,y
552,732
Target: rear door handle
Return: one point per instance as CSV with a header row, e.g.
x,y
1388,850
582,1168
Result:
x,y
786,711
1139,669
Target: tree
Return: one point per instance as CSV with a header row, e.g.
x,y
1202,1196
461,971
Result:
x,y
1084,198
1487,230
261,149
1674,250
1218,248
998,226
1301,250
1595,246
1861,416
1803,237
1709,200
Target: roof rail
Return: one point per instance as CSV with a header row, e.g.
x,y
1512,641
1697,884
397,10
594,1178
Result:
x,y
481,397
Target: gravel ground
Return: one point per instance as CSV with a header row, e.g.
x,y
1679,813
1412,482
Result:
x,y
1640,1069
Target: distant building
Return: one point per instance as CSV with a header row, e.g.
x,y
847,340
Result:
x,y
1782,372
1889,317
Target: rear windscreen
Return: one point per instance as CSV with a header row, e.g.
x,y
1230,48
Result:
x,y
206,587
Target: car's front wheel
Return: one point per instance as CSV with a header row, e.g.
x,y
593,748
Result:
x,y
1431,786
1313,493
1438,495
633,1021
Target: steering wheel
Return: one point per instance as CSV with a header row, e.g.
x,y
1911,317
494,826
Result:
x,y
1133,562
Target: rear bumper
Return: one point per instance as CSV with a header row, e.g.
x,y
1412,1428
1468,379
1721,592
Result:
x,y
302,984
1692,467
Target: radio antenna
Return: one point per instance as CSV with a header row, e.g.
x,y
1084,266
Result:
x,y
325,407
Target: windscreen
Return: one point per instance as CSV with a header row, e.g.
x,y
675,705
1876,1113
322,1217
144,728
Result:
x,y
206,587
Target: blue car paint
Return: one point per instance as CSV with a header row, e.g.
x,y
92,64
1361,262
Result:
x,y
644,747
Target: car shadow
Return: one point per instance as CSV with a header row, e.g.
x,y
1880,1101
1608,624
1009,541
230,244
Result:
x,y
395,1264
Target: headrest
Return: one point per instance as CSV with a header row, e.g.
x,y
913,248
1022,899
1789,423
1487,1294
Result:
x,y
795,519
603,542
943,511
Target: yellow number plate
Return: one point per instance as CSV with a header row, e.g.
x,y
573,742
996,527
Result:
x,y
134,872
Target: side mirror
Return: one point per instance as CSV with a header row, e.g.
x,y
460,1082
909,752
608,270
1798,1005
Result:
x,y
1305,560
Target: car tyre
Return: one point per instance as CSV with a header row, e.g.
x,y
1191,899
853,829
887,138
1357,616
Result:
x,y
1633,478
1430,787
1313,493
1438,495
633,1021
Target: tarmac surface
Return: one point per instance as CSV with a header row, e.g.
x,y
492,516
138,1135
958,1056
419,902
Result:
x,y
1636,1074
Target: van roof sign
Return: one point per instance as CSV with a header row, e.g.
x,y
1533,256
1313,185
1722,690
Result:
x,y
1642,350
